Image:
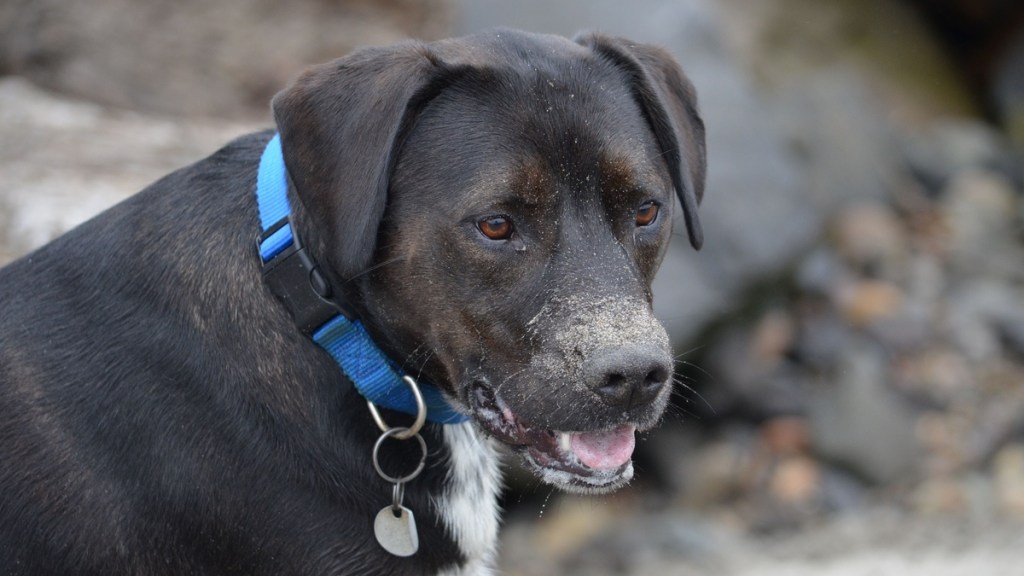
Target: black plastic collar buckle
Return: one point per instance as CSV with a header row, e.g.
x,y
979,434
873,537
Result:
x,y
297,281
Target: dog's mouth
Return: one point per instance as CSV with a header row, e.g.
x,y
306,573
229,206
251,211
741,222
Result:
x,y
590,461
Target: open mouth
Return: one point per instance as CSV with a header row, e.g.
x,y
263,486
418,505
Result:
x,y
590,461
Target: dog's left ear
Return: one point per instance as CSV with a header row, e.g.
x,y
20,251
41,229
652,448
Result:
x,y
669,102
341,126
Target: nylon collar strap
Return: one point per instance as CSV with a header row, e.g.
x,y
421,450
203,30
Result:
x,y
296,280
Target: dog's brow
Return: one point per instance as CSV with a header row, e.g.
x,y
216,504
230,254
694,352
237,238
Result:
x,y
532,182
623,173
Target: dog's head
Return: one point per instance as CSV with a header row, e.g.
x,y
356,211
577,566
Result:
x,y
497,206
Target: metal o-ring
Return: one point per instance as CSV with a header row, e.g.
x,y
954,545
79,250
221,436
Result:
x,y
376,461
421,413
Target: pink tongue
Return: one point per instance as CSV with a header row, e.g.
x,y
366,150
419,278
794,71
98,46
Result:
x,y
604,450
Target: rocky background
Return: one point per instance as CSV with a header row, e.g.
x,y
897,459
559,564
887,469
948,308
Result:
x,y
850,340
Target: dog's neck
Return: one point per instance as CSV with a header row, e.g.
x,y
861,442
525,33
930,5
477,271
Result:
x,y
296,280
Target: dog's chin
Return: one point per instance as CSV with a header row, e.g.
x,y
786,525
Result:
x,y
582,461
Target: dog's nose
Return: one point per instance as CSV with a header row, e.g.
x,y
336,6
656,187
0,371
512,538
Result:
x,y
629,376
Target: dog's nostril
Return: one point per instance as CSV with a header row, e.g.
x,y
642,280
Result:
x,y
656,377
613,384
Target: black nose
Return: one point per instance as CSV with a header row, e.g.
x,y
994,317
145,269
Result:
x,y
627,376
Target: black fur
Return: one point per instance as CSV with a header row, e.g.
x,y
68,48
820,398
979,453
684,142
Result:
x,y
159,411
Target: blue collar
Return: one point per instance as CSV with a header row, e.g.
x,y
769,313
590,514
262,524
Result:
x,y
296,280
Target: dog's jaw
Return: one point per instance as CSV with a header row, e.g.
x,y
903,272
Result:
x,y
584,462
566,470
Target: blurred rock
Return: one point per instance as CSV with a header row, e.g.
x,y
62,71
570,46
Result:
x,y
1012,332
940,496
945,437
652,543
822,338
796,481
749,380
848,153
927,282
908,329
717,471
1008,88
981,313
1008,474
788,42
786,436
946,148
860,423
980,209
936,375
868,301
614,536
841,493
872,239
196,58
819,272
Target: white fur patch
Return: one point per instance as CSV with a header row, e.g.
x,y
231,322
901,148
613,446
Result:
x,y
469,505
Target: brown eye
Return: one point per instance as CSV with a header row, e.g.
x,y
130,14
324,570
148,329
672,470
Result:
x,y
646,213
496,227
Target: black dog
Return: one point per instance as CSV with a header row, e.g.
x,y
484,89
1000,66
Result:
x,y
491,209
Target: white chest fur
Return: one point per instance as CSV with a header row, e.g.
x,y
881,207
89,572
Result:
x,y
469,505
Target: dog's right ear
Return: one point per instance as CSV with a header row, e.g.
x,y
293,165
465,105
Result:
x,y
341,124
670,104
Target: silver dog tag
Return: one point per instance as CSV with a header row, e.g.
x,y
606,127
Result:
x,y
397,534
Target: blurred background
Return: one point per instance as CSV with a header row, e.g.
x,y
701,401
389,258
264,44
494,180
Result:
x,y
850,340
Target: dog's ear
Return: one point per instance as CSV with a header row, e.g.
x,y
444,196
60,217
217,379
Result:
x,y
669,102
341,126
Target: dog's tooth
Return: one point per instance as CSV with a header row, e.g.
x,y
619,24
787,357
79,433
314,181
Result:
x,y
565,441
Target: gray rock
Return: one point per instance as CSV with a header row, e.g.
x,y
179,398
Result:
x,y
652,542
849,152
908,330
822,338
981,314
1008,89
860,423
872,240
1012,332
842,493
819,272
980,208
947,147
749,383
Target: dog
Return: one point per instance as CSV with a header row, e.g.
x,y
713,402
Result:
x,y
485,214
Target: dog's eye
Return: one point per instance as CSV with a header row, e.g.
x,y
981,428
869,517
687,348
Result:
x,y
496,227
647,213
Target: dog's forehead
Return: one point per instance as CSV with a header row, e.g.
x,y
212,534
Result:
x,y
536,179
505,45
538,115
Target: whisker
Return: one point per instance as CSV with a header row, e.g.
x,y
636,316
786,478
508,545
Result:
x,y
689,388
696,367
376,266
688,352
681,413
426,358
